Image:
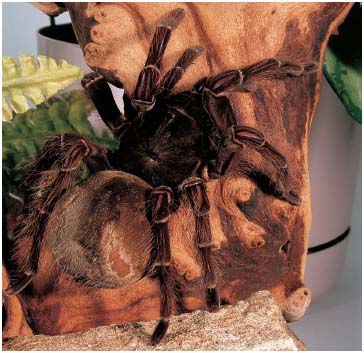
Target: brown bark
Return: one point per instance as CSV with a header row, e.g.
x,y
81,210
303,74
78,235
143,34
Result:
x,y
50,8
115,38
14,323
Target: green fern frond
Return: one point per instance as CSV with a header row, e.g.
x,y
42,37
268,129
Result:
x,y
33,80
27,133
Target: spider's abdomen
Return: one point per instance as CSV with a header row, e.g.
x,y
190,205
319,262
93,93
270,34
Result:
x,y
96,230
164,149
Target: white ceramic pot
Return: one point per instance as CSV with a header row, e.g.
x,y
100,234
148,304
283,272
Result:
x,y
72,53
59,49
334,152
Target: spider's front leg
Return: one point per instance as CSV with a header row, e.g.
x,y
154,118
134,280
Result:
x,y
195,190
247,78
143,98
174,75
231,138
101,95
52,174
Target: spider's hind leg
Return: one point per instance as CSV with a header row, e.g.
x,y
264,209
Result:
x,y
147,85
52,174
161,203
195,190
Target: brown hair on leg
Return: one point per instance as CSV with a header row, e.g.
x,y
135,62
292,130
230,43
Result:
x,y
162,198
195,190
52,174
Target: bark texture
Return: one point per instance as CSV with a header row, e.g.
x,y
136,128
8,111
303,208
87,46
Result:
x,y
14,321
261,241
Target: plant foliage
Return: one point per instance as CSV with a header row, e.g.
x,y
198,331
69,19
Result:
x,y
343,63
25,135
32,80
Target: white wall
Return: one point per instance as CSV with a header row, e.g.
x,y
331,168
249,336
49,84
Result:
x,y
21,21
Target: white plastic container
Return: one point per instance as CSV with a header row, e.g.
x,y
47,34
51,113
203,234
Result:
x,y
334,154
58,49
72,53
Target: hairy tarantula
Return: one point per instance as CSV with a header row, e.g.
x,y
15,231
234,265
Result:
x,y
174,142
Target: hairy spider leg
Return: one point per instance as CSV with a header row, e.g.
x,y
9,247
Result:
x,y
195,190
143,98
162,199
44,186
245,79
243,135
232,136
99,91
174,75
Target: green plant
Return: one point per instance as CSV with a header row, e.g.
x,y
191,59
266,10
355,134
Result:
x,y
27,132
32,80
343,60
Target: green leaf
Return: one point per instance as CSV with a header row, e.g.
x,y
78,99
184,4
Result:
x,y
27,132
35,81
343,63
346,82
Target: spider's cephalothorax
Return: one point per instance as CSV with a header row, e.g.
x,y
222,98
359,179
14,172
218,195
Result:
x,y
174,142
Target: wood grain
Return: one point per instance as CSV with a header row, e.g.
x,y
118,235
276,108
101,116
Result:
x,y
14,322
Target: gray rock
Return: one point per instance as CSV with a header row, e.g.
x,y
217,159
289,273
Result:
x,y
253,324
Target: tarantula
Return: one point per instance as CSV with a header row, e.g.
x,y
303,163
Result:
x,y
174,142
